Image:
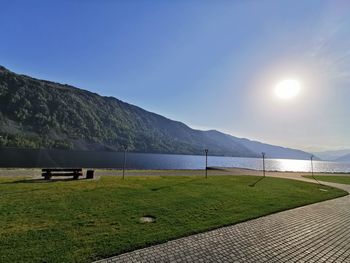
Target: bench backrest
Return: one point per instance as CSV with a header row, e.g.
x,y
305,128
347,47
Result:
x,y
62,170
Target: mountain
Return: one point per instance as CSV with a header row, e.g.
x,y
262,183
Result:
x,y
273,151
42,114
344,158
332,155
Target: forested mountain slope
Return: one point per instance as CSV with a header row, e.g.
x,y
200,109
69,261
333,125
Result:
x,y
42,114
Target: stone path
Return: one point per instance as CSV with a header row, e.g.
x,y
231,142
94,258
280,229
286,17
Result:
x,y
313,233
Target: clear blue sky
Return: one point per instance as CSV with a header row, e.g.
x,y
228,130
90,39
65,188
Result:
x,y
210,64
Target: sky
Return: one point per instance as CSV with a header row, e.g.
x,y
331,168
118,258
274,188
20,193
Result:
x,y
209,64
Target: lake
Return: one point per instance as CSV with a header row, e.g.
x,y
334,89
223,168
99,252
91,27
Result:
x,y
14,157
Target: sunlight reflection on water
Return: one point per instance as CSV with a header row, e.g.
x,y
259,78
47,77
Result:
x,y
288,165
291,165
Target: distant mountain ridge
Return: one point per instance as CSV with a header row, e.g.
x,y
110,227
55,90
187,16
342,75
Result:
x,y
42,114
273,151
344,158
336,155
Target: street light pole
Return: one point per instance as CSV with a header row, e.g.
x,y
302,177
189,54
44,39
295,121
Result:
x,y
312,169
124,163
206,163
263,159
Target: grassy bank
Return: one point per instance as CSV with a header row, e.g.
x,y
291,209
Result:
x,y
81,221
340,179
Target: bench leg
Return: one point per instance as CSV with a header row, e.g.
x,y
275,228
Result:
x,y
47,177
76,177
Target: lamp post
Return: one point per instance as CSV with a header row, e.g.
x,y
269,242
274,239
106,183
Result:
x,y
263,159
206,163
124,163
312,169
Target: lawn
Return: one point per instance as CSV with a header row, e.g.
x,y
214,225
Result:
x,y
341,179
82,221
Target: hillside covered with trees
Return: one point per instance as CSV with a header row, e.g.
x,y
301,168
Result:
x,y
42,114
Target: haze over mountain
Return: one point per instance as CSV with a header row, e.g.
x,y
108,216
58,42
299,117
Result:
x,y
333,155
42,114
344,158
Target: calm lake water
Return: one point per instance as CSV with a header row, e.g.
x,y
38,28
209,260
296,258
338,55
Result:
x,y
11,157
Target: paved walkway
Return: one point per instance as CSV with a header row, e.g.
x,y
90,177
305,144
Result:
x,y
313,233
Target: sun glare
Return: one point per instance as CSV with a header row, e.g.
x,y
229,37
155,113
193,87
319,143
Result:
x,y
287,89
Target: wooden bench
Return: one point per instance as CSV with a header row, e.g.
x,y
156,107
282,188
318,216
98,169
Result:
x,y
47,173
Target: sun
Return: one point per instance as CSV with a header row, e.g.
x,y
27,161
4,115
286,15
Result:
x,y
287,89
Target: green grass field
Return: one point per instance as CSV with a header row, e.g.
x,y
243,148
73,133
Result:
x,y
81,221
332,178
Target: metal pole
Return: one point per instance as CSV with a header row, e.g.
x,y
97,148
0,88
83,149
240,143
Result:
x,y
263,157
312,169
206,163
124,164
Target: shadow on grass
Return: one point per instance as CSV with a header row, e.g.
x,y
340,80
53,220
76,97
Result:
x,y
172,185
260,179
39,180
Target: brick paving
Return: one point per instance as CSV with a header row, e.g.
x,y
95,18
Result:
x,y
314,233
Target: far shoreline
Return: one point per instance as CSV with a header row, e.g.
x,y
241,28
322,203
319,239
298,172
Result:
x,y
212,171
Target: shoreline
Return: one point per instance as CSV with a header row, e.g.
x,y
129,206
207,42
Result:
x,y
212,171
